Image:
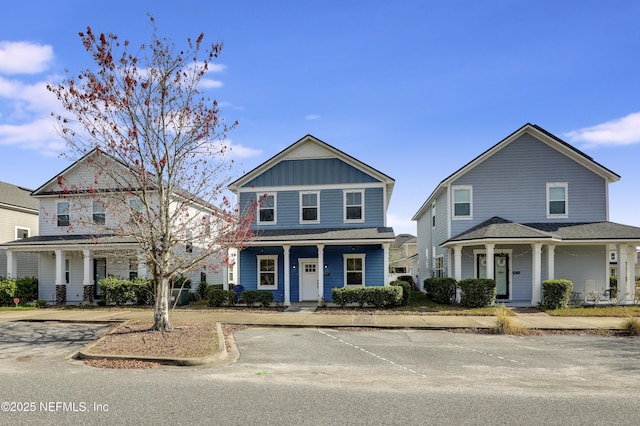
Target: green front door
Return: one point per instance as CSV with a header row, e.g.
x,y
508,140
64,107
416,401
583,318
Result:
x,y
501,272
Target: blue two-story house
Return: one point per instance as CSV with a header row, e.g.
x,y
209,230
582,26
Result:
x,y
320,223
530,208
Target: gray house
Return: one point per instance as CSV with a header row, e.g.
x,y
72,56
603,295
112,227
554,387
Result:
x,y
530,208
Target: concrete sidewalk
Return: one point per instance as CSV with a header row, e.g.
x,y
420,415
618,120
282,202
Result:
x,y
540,320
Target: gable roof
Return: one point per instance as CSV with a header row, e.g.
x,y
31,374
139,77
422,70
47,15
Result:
x,y
310,147
17,198
540,134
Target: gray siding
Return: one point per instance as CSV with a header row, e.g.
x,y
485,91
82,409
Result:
x,y
512,184
580,263
321,171
429,236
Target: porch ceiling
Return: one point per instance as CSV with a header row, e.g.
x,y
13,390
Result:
x,y
499,229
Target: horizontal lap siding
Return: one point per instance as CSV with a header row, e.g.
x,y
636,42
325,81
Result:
x,y
580,263
512,184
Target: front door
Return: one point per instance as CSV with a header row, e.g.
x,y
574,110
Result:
x,y
99,272
309,290
500,271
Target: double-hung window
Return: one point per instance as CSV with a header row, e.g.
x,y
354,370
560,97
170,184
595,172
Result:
x,y
462,202
267,272
22,233
354,206
309,207
267,209
439,267
98,212
354,270
557,196
62,212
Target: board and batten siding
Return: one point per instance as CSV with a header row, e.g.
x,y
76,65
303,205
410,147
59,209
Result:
x,y
320,171
331,209
512,184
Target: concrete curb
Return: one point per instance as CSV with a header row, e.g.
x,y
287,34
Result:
x,y
218,357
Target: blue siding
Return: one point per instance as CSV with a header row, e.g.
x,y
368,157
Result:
x,y
320,171
333,274
512,184
331,209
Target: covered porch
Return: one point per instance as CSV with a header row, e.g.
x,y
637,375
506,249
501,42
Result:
x,y
520,256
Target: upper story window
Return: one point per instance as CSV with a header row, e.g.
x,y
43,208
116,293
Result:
x,y
462,202
188,246
557,205
62,212
433,214
22,233
309,207
99,212
354,270
354,206
133,268
135,206
207,224
267,272
267,209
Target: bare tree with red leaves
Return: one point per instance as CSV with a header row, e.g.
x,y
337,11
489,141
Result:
x,y
165,166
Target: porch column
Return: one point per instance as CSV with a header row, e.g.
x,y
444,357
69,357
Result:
x,y
551,265
143,271
12,265
490,262
631,272
622,271
457,262
87,278
536,274
225,272
385,249
320,273
61,282
287,278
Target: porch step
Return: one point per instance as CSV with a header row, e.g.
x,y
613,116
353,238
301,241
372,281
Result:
x,y
302,307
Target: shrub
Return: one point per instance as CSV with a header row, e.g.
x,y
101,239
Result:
x,y
8,289
613,285
27,289
440,290
406,291
556,293
143,293
217,297
477,292
253,297
505,324
41,303
632,326
203,290
373,296
116,290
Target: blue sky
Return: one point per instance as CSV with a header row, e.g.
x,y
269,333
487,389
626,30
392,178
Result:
x,y
415,89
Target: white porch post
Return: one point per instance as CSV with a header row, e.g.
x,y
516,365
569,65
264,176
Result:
x,y
385,249
60,269
225,273
551,265
536,274
622,271
143,271
457,261
490,262
12,265
287,278
87,278
631,273
320,273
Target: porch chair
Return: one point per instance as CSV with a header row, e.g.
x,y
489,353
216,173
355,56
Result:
x,y
591,291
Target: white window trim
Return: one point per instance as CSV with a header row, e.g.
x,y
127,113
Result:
x,y
302,221
435,265
564,185
68,213
94,212
344,267
24,228
433,214
453,202
344,205
273,257
259,196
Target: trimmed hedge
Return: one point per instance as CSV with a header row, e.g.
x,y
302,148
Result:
x,y
120,291
253,297
477,292
440,290
218,297
406,291
374,296
556,293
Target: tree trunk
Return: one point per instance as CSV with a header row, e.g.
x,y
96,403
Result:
x,y
161,312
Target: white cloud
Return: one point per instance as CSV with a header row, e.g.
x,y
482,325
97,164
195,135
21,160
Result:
x,y
401,225
39,134
21,57
620,131
240,151
207,83
312,117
